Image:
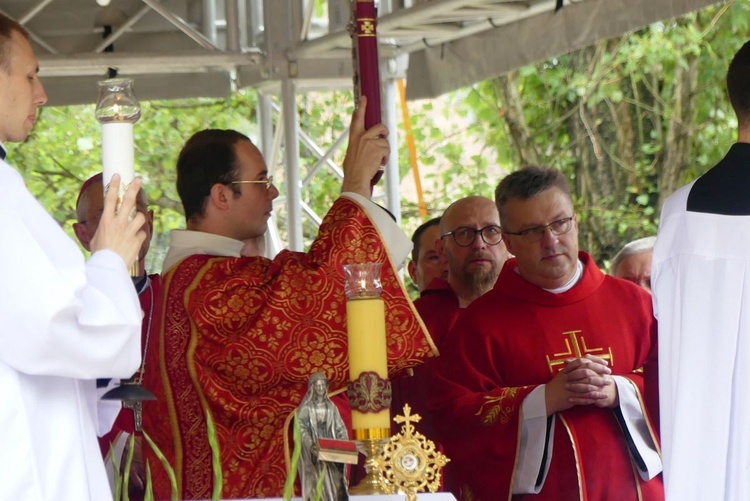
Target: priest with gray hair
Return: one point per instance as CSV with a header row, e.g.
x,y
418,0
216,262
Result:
x,y
633,262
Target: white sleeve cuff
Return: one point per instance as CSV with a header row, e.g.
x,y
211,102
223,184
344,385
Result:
x,y
637,428
534,442
394,238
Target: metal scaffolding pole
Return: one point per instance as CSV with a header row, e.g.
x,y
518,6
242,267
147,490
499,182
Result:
x,y
209,20
265,126
392,178
231,9
291,140
266,146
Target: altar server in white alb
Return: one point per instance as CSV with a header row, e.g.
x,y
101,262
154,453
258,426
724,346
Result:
x,y
63,322
701,287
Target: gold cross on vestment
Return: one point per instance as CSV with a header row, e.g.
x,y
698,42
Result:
x,y
137,407
575,347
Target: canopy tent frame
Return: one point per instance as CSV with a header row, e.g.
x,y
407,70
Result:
x,y
211,48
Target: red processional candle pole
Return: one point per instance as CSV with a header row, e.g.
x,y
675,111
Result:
x,y
366,63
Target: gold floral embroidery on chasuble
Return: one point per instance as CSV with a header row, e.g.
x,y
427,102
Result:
x,y
242,336
499,408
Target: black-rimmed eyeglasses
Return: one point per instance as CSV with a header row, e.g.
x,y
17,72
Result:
x,y
536,234
465,236
268,182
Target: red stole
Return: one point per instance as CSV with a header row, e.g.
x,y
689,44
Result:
x,y
238,337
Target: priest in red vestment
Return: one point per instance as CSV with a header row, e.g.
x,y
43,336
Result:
x,y
237,336
89,208
470,245
425,264
542,396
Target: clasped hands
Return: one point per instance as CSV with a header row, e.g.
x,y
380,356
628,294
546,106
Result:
x,y
582,381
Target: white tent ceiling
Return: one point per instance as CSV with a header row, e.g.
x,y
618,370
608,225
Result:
x,y
182,48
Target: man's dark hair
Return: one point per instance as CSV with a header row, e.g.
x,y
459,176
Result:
x,y
417,236
527,183
738,84
208,158
7,27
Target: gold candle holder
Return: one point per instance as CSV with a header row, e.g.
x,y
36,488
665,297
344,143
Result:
x,y
374,482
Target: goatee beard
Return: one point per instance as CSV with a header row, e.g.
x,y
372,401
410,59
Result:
x,y
479,281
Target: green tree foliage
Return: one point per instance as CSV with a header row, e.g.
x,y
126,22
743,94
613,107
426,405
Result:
x,y
629,120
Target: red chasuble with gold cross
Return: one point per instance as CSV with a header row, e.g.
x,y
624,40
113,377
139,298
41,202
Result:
x,y
239,337
515,338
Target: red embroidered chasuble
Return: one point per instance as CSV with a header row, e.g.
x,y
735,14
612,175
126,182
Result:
x,y
515,338
239,337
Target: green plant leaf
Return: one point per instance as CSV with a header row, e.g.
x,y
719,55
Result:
x,y
291,475
165,464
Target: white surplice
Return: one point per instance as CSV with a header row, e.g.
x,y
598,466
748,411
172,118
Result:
x,y
63,323
701,289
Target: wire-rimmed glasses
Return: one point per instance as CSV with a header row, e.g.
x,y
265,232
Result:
x,y
536,234
268,182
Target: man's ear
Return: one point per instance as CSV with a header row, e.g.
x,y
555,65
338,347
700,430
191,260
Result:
x,y
508,247
150,221
220,196
440,249
412,269
82,234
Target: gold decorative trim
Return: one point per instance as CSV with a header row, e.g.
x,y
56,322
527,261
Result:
x,y
372,434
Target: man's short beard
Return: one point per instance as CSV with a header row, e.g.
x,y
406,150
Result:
x,y
479,280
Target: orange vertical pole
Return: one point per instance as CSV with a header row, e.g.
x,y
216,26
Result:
x,y
412,149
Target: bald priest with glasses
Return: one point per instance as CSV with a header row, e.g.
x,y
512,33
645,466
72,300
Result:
x,y
238,336
472,248
543,394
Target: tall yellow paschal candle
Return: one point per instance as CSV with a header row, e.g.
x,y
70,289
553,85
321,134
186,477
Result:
x,y
365,324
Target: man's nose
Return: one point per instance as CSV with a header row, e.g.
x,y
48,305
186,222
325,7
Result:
x,y
549,237
40,97
478,242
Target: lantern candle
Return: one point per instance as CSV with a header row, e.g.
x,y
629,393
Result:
x,y
117,110
369,389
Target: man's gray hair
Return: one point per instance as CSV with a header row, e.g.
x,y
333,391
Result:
x,y
644,244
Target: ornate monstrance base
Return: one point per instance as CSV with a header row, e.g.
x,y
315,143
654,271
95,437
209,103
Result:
x,y
410,463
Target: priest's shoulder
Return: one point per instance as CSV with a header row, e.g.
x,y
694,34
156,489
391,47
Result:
x,y
225,266
722,190
12,182
437,288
